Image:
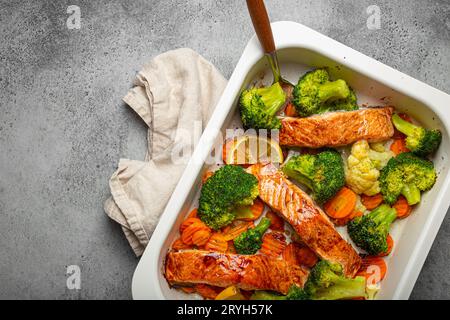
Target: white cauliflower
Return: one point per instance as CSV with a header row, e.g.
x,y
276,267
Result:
x,y
363,167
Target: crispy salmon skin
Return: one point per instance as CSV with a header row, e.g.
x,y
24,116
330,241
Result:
x,y
337,128
248,272
307,219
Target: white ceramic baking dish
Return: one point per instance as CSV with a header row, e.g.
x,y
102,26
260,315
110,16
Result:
x,y
299,49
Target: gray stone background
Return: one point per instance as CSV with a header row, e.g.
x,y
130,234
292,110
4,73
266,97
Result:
x,y
63,126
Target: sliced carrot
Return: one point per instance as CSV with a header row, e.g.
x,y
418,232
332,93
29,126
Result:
x,y
390,243
236,229
276,222
207,291
399,146
402,207
373,269
371,202
290,253
306,256
207,175
273,244
186,223
188,233
290,111
217,243
193,214
342,204
201,237
250,213
180,245
347,219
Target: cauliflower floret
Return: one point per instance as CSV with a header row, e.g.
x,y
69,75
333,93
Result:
x,y
363,167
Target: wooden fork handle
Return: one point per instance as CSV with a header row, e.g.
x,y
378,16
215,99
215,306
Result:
x,y
261,23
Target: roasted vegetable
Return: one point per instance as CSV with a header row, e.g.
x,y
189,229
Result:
x,y
419,140
315,94
323,173
250,241
406,175
325,282
363,167
370,231
230,186
258,107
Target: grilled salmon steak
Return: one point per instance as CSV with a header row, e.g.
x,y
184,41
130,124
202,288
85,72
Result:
x,y
248,272
307,219
337,128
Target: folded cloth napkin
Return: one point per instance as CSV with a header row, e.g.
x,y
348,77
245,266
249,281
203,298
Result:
x,y
175,93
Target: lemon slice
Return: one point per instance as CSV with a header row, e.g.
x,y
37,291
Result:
x,y
251,149
230,293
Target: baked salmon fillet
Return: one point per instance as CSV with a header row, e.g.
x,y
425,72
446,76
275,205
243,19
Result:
x,y
337,128
248,272
307,219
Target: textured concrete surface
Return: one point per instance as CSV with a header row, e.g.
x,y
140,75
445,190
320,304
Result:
x,y
63,126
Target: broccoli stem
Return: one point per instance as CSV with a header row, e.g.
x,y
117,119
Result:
x,y
403,126
343,288
411,193
334,90
273,98
262,226
384,215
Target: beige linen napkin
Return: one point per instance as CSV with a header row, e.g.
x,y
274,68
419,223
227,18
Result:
x,y
174,94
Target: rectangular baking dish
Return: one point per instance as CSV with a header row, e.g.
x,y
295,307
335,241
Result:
x,y
301,49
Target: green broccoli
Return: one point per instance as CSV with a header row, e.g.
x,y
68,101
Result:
x,y
419,140
250,241
258,107
315,93
370,231
408,175
323,173
230,186
325,282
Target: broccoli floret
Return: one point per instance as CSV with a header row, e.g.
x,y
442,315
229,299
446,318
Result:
x,y
408,175
227,188
326,281
258,107
250,241
370,231
315,93
323,173
419,140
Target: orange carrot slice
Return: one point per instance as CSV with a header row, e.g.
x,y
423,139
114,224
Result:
x,y
250,213
207,291
371,202
373,269
180,245
188,233
276,222
201,237
402,207
236,229
390,243
290,111
217,243
342,204
273,244
186,223
193,214
206,176
347,219
399,146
